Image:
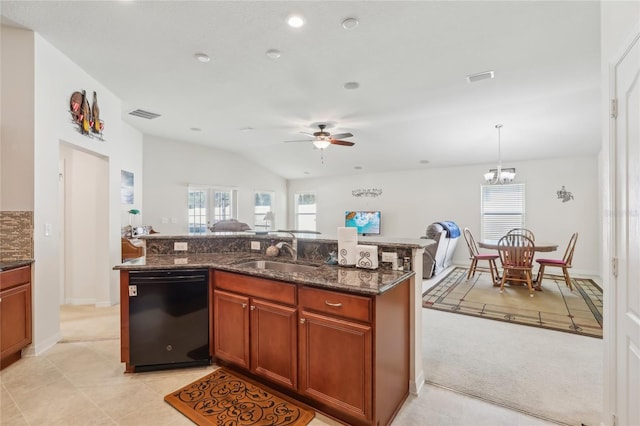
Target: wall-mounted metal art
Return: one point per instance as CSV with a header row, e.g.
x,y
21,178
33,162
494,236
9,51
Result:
x,y
564,195
373,192
86,117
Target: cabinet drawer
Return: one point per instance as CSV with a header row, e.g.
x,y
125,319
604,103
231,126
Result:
x,y
14,277
256,287
335,303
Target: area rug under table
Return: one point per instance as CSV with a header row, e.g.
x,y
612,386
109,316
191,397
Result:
x,y
555,307
226,398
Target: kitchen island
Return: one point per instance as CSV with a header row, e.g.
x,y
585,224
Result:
x,y
339,339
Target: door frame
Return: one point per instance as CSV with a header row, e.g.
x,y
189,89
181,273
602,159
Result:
x,y
611,398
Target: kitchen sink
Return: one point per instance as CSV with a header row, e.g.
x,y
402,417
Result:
x,y
277,266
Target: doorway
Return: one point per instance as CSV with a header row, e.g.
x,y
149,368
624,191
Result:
x,y
84,226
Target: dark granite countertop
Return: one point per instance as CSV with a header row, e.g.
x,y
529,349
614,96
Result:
x,y
6,265
332,277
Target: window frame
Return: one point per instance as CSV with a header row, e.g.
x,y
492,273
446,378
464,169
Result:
x,y
298,213
210,214
259,213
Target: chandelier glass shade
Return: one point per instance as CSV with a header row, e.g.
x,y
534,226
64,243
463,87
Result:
x,y
500,175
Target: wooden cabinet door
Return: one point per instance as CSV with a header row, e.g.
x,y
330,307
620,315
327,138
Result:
x,y
274,342
15,319
336,363
231,327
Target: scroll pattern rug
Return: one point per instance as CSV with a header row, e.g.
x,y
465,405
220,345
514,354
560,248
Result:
x,y
223,398
555,307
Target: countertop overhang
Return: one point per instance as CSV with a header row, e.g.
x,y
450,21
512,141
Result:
x,y
6,265
350,279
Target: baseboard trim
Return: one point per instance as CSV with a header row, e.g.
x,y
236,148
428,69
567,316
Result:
x,y
41,347
416,386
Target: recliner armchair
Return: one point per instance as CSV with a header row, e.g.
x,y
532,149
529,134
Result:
x,y
438,257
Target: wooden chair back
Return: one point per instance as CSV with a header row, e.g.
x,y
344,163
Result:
x,y
568,254
471,243
523,231
516,251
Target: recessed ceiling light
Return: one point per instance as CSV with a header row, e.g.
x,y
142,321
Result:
x,y
351,85
424,161
357,167
273,53
247,129
202,57
350,23
196,129
307,173
295,21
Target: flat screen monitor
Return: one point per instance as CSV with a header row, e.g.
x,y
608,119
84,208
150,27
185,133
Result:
x,y
367,222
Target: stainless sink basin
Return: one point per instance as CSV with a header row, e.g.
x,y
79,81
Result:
x,y
277,266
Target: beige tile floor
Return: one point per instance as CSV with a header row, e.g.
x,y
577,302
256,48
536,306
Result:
x,y
80,381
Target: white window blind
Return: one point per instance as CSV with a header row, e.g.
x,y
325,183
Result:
x,y
502,209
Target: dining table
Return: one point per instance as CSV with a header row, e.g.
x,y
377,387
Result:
x,y
538,247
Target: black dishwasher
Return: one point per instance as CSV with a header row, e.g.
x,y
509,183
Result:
x,y
168,318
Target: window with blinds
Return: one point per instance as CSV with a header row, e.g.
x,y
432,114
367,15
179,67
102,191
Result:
x,y
502,209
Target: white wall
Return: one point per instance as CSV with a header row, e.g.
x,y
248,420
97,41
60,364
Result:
x,y
54,79
16,137
413,199
170,166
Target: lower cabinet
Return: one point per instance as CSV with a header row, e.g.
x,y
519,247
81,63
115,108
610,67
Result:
x,y
335,363
345,354
256,333
15,313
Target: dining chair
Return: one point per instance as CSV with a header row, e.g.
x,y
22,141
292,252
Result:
x,y
523,231
516,254
476,256
564,263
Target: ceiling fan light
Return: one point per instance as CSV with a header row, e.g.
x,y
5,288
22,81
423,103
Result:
x,y
321,143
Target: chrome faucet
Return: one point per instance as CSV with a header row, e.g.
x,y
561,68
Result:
x,y
293,247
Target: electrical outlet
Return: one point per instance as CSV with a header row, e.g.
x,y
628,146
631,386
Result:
x,y
180,246
164,220
255,245
133,290
389,256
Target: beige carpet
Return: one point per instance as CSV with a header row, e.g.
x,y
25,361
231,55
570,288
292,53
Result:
x,y
553,375
555,307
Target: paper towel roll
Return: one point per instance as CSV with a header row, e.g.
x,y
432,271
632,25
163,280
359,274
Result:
x,y
347,242
367,256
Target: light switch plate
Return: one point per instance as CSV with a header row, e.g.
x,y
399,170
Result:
x,y
133,290
255,245
180,246
389,256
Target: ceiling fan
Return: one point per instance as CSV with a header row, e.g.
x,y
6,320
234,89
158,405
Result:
x,y
322,139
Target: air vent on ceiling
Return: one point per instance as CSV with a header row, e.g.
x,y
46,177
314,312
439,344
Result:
x,y
144,114
472,78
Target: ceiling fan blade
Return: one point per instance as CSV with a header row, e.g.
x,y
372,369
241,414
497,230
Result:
x,y
342,136
308,134
343,143
301,140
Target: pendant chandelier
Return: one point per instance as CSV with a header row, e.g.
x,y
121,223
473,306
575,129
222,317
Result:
x,y
500,175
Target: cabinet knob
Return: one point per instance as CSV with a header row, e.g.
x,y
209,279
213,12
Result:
x,y
335,305
244,305
252,307
302,320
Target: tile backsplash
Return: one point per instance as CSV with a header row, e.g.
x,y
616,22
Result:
x,y
16,235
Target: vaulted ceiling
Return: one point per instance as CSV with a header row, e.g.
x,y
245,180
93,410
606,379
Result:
x,y
414,107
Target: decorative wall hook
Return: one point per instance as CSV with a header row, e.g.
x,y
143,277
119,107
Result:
x,y
564,195
373,192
